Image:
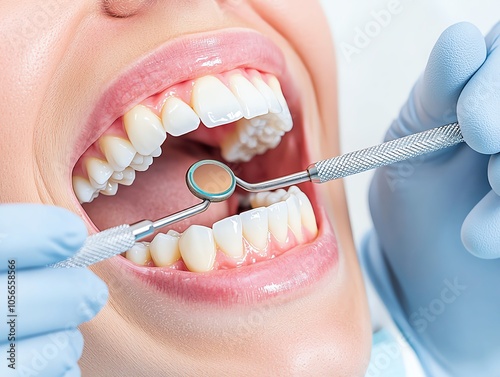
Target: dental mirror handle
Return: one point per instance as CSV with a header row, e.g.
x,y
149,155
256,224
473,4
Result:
x,y
365,159
116,240
386,153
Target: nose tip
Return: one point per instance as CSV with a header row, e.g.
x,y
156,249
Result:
x,y
124,8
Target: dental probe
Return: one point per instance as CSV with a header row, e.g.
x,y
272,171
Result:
x,y
212,181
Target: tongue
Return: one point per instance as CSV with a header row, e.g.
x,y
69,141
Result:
x,y
156,193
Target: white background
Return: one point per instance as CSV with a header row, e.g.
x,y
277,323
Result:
x,y
374,83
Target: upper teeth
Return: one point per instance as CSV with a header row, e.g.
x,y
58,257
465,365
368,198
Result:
x,y
259,108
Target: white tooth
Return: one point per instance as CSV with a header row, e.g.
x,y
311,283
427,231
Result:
x,y
197,248
233,150
250,141
259,199
294,220
264,89
110,189
258,123
165,249
96,194
256,227
282,193
231,146
306,210
274,143
251,100
117,175
278,221
98,170
144,165
83,189
156,152
178,117
228,234
273,198
285,116
173,233
98,186
138,159
214,103
144,129
128,177
139,254
119,152
140,167
268,136
244,131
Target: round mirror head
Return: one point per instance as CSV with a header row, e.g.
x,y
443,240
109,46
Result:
x,y
210,179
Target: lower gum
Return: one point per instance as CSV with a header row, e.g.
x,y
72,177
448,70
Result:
x,y
251,255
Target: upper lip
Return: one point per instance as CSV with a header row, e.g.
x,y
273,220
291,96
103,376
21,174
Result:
x,y
195,55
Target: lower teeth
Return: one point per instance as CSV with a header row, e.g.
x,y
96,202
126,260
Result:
x,y
278,221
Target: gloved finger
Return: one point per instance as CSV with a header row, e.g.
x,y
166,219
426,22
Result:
x,y
480,230
478,107
494,173
456,56
73,372
48,300
49,355
35,235
493,37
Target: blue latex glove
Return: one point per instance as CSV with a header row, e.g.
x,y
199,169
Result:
x,y
49,303
424,208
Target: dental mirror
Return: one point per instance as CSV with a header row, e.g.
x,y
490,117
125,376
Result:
x,y
211,180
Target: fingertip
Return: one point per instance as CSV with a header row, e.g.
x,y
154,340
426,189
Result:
x,y
73,372
494,173
37,234
479,233
493,36
73,227
77,342
456,56
478,111
98,291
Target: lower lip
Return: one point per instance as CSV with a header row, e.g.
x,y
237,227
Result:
x,y
298,268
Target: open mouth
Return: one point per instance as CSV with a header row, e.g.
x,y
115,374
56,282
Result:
x,y
135,170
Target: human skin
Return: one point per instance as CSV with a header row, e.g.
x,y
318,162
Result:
x,y
57,56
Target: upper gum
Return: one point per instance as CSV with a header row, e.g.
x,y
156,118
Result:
x,y
184,89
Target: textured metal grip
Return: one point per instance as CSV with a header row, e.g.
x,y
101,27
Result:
x,y
386,153
100,246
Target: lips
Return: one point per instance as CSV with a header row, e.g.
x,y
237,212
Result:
x,y
200,56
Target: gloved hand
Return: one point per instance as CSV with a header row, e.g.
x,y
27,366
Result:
x,y
43,339
425,210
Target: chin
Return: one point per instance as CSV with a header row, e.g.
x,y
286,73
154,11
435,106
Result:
x,y
259,285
